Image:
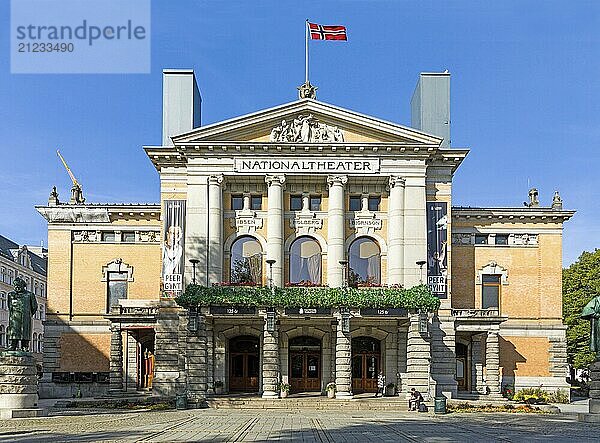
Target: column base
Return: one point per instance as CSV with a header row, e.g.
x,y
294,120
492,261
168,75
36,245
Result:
x,y
343,395
270,395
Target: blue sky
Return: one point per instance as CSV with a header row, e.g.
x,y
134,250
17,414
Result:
x,y
525,96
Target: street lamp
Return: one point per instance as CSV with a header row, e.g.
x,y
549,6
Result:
x,y
420,264
194,262
271,262
344,264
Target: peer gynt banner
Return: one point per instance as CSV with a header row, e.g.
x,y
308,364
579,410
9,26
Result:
x,y
173,265
437,246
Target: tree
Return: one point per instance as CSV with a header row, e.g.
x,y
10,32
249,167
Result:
x,y
581,283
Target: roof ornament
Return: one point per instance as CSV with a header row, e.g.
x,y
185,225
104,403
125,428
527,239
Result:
x,y
306,90
76,191
53,199
306,129
534,201
557,202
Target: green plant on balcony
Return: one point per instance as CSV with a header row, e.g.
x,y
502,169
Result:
x,y
415,298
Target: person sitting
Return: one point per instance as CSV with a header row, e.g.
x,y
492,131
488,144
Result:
x,y
415,400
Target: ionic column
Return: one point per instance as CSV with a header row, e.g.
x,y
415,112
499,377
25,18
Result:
x,y
396,231
418,359
275,238
215,229
492,363
116,359
343,370
336,230
270,362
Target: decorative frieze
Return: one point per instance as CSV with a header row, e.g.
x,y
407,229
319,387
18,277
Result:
x,y
468,238
89,236
307,129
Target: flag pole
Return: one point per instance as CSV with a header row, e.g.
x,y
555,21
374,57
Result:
x,y
306,54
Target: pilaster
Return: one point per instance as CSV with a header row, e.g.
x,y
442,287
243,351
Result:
x,y
215,228
477,383
395,257
418,359
275,236
343,370
116,359
443,355
336,230
270,362
492,363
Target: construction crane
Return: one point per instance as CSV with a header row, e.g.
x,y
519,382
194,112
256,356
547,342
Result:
x,y
76,190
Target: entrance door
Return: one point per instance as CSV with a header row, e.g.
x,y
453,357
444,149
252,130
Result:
x,y
366,363
462,368
305,364
244,363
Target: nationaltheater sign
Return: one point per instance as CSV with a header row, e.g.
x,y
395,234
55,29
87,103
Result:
x,y
322,165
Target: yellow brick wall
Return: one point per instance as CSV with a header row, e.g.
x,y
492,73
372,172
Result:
x,y
59,270
84,352
524,356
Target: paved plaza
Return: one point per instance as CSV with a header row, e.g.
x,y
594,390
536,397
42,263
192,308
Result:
x,y
310,426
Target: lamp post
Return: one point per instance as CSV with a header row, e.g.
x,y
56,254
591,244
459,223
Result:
x,y
420,264
194,262
271,262
344,264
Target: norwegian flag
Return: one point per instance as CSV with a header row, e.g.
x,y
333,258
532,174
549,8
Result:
x,y
322,32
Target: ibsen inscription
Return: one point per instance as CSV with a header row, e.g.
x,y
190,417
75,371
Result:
x,y
321,165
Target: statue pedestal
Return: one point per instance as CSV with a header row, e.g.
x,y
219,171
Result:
x,y
594,409
18,385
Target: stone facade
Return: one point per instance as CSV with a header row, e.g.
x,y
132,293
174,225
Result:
x,y
264,211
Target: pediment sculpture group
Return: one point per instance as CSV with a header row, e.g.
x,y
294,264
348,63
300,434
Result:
x,y
307,129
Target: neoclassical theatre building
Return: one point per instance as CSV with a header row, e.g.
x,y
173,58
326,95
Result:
x,y
313,195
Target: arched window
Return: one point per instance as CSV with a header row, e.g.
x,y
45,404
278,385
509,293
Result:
x,y
2,336
364,262
246,261
305,261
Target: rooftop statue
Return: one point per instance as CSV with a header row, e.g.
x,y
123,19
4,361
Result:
x,y
22,305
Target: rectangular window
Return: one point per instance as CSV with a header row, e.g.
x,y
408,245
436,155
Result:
x,y
10,277
315,202
481,239
237,202
128,237
502,239
117,288
3,275
2,300
355,203
295,202
374,203
490,291
256,202
108,236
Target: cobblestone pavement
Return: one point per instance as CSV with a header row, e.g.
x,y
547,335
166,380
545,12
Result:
x,y
301,426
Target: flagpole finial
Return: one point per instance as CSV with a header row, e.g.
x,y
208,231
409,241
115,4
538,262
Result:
x,y
306,90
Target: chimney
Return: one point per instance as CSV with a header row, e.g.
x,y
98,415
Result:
x,y
181,103
430,105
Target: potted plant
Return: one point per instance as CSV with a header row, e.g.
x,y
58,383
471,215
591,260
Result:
x,y
330,390
390,390
284,389
218,387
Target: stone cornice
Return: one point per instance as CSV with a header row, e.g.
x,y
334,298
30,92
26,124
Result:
x,y
97,212
547,215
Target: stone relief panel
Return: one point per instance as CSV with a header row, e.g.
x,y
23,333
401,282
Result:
x,y
246,222
307,129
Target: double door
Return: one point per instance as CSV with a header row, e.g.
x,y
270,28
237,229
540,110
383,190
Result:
x,y
244,370
365,369
305,371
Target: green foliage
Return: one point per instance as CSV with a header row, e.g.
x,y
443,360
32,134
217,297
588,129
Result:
x,y
581,283
467,407
284,387
559,396
532,396
418,297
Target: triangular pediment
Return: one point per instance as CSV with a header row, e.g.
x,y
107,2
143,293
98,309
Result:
x,y
327,122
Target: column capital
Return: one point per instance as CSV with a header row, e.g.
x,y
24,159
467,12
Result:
x,y
115,327
216,179
333,180
396,180
274,179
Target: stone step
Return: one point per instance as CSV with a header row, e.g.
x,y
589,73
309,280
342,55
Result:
x,y
391,404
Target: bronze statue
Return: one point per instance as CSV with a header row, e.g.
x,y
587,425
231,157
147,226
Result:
x,y
22,305
591,312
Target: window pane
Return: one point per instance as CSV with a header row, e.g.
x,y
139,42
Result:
x,y
490,278
295,203
108,236
355,203
246,261
237,202
481,239
364,263
501,239
374,203
315,203
256,202
117,288
128,237
489,296
305,261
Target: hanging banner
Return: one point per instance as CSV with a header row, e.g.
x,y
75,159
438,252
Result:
x,y
437,244
173,265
